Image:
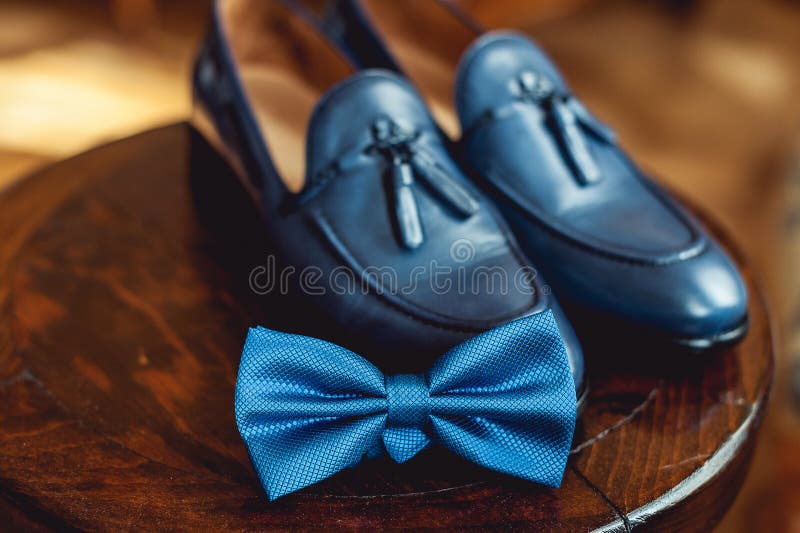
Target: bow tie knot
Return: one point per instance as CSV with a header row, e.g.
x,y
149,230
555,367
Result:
x,y
408,400
409,407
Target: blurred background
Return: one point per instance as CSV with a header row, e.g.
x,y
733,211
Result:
x,y
705,94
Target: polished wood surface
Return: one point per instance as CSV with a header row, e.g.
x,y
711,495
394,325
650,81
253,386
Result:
x,y
124,303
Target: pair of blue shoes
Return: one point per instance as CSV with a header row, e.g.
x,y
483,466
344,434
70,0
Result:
x,y
424,232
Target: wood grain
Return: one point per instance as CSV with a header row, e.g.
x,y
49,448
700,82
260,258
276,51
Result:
x,y
123,307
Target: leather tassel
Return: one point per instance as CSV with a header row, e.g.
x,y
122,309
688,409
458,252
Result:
x,y
405,205
452,192
567,118
568,130
398,147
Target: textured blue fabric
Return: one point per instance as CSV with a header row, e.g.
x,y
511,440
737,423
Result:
x,y
505,399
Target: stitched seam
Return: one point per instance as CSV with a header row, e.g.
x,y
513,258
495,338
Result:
x,y
325,224
576,243
398,307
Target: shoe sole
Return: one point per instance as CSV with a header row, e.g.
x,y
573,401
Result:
x,y
593,326
719,340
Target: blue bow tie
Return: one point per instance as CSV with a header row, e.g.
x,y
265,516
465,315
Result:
x,y
504,399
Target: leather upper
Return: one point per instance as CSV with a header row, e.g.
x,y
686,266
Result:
x,y
606,236
383,208
353,210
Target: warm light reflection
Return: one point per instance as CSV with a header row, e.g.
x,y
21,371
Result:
x,y
73,75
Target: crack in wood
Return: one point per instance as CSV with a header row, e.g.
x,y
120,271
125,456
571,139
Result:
x,y
614,507
24,375
625,420
695,458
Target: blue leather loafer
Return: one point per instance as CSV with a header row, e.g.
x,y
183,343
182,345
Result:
x,y
617,249
357,187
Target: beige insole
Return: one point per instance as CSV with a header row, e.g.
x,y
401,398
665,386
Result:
x,y
427,41
285,67
282,103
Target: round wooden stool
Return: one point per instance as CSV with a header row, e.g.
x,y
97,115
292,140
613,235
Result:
x,y
124,302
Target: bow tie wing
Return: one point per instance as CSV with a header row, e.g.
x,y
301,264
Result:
x,y
305,408
506,400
